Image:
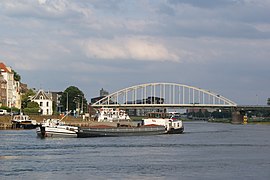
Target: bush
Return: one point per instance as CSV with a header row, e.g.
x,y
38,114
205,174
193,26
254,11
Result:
x,y
5,108
14,109
31,111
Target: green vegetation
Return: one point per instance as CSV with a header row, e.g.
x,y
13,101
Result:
x,y
29,107
258,119
32,105
14,109
26,98
218,114
72,98
5,108
17,77
31,111
32,108
259,113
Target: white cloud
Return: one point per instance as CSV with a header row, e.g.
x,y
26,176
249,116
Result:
x,y
129,48
263,27
42,1
128,36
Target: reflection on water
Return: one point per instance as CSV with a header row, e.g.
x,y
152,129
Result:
x,y
9,157
204,151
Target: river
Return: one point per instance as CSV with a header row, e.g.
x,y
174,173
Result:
x,y
204,151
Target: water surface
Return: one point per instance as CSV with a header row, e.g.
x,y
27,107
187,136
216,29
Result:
x,y
204,151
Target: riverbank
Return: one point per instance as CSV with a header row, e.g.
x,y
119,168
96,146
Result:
x,y
5,121
257,120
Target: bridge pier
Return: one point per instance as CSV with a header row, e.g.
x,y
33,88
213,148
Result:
x,y
237,117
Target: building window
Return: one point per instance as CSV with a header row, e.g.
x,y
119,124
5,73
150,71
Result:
x,y
47,104
41,104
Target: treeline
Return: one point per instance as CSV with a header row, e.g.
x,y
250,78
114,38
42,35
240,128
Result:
x,y
227,113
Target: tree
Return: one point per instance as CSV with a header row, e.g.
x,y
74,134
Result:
x,y
28,106
26,98
32,104
17,77
72,98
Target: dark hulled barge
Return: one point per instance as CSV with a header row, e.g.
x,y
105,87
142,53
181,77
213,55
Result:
x,y
120,131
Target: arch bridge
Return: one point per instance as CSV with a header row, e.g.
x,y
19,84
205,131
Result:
x,y
167,95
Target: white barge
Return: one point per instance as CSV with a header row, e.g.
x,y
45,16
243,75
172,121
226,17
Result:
x,y
172,124
111,115
56,128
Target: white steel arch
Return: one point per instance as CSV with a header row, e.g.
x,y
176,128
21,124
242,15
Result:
x,y
164,95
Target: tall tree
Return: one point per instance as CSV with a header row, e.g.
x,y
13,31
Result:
x,y
72,99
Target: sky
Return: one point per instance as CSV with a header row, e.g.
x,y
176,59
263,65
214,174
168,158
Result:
x,y
219,45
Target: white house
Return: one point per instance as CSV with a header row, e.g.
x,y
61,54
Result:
x,y
45,102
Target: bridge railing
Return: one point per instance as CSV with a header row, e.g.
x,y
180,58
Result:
x,y
164,95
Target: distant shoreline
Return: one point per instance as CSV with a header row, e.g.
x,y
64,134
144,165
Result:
x,y
5,121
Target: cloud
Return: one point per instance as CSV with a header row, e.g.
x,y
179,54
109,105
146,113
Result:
x,y
192,41
129,48
44,9
213,18
205,3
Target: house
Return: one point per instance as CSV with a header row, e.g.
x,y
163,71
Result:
x,y
12,87
3,91
45,102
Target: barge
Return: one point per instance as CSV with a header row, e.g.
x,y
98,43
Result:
x,y
120,131
155,124
111,115
172,123
23,122
56,128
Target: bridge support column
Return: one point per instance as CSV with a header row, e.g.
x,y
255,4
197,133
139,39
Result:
x,y
237,117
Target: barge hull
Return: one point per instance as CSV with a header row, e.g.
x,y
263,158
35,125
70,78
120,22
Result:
x,y
176,131
49,132
116,132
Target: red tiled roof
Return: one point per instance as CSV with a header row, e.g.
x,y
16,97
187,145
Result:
x,y
3,66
